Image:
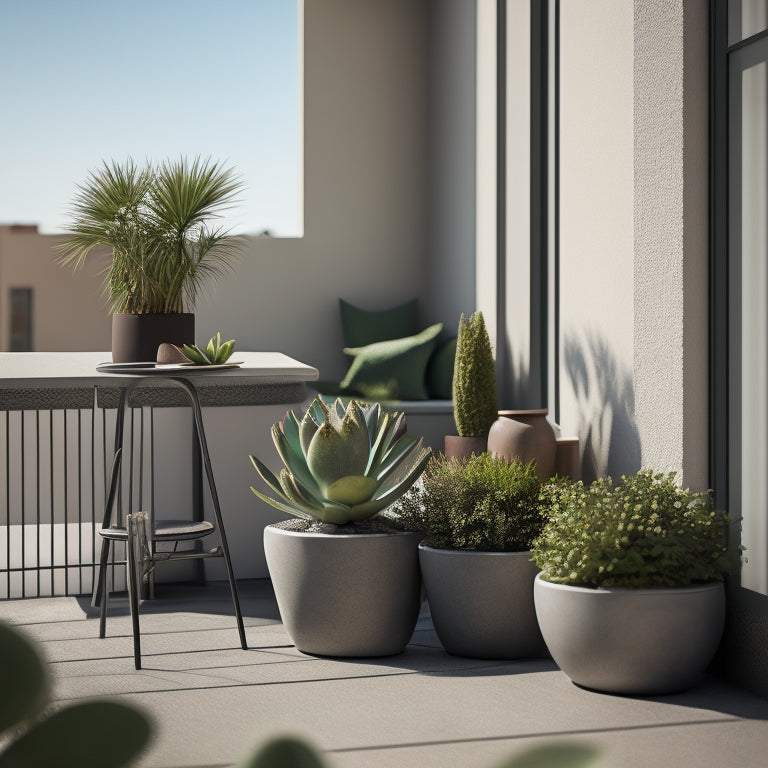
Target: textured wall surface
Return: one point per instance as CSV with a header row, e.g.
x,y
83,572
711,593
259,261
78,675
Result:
x,y
671,230
365,176
596,237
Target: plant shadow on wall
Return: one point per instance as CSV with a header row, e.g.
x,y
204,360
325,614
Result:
x,y
605,397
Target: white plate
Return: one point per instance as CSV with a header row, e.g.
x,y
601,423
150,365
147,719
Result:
x,y
157,368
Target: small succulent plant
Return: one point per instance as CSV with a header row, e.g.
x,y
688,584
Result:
x,y
342,463
215,353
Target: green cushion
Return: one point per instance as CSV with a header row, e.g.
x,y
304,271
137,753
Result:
x,y
392,370
361,327
439,376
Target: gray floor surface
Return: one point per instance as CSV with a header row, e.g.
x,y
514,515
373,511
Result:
x,y
212,702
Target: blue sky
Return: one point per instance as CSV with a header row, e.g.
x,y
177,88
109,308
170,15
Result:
x,y
82,81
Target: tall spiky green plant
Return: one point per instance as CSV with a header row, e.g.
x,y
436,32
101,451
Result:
x,y
475,404
158,222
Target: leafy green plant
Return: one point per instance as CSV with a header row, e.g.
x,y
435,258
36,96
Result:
x,y
101,733
98,733
474,379
158,222
215,353
644,531
480,503
292,752
342,464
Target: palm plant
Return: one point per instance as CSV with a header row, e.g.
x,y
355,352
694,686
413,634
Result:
x,y
157,222
342,464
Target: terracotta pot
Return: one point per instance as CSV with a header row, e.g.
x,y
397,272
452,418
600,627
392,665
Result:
x,y
457,447
568,458
524,435
135,338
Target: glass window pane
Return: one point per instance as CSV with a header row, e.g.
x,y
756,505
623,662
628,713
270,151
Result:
x,y
746,18
754,324
21,320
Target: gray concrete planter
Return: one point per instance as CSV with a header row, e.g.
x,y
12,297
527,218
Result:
x,y
482,602
631,641
345,595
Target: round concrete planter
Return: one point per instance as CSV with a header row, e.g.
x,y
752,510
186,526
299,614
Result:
x,y
346,594
631,641
482,602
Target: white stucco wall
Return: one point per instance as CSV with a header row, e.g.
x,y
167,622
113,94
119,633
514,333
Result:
x,y
69,310
671,236
365,211
596,233
633,235
451,127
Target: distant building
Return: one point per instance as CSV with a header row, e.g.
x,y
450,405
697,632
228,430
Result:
x,y
45,307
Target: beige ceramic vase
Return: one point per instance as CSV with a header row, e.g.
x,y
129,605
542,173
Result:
x,y
524,435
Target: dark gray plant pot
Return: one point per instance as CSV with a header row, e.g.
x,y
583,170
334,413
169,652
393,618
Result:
x,y
482,602
631,641
135,338
345,595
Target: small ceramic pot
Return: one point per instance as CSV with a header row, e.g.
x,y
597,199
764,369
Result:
x,y
136,338
524,435
457,447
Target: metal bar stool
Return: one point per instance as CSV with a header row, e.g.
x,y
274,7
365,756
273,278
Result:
x,y
141,532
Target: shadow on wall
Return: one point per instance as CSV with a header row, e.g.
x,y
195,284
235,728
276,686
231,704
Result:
x,y
604,391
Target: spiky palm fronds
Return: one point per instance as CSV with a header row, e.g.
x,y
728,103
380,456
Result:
x,y
157,221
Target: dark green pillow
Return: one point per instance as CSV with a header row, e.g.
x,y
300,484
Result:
x,y
392,370
361,327
439,375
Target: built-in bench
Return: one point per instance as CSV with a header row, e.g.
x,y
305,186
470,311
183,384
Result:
x,y
430,419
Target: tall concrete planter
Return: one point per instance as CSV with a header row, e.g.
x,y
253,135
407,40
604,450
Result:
x,y
346,595
482,602
631,641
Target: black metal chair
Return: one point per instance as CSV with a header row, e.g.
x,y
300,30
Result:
x,y
144,536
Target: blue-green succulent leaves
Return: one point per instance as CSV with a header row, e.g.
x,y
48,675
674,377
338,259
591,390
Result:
x,y
341,464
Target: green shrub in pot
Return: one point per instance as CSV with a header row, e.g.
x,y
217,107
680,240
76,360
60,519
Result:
x,y
479,516
479,503
630,599
644,531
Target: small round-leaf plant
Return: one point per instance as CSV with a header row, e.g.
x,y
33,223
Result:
x,y
641,532
480,503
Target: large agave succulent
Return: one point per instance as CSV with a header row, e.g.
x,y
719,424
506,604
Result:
x,y
342,464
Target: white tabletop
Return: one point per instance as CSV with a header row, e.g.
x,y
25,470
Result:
x,y
72,369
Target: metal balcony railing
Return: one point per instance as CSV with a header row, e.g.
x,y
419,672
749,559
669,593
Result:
x,y
56,448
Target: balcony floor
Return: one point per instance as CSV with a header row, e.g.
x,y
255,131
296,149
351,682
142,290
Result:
x,y
212,702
